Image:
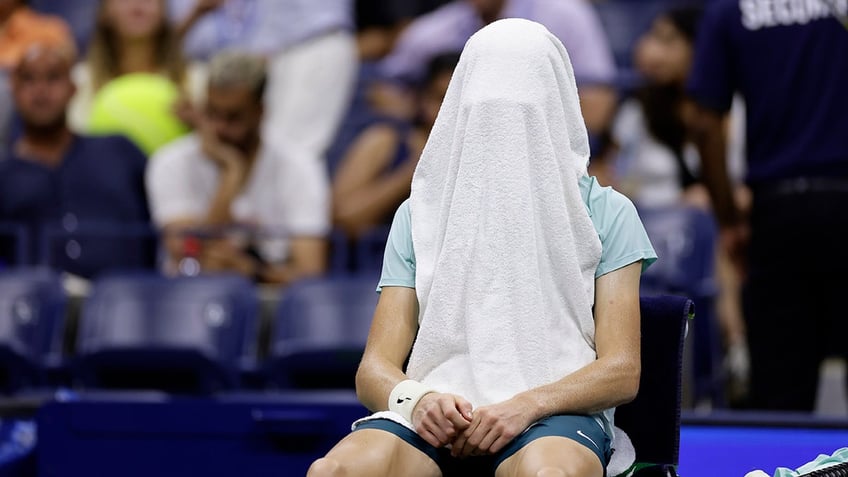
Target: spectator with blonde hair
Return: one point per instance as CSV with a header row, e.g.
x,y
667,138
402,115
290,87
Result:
x,y
134,42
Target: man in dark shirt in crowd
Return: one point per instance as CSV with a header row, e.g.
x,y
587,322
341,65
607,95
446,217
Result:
x,y
80,198
789,61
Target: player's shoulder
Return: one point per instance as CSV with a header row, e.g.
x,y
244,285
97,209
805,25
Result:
x,y
604,201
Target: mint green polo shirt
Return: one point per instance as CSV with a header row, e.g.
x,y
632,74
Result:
x,y
623,237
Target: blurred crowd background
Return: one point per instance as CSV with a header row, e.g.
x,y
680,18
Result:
x,y
275,139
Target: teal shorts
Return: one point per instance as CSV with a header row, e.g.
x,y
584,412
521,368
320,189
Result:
x,y
582,429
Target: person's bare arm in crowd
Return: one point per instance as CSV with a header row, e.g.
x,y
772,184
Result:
x,y
362,192
392,99
437,417
707,128
612,379
598,105
708,132
307,258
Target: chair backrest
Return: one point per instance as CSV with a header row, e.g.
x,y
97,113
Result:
x,y
320,331
652,420
685,239
89,249
32,317
138,320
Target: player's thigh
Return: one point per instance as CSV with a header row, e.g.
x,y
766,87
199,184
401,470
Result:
x,y
374,452
552,456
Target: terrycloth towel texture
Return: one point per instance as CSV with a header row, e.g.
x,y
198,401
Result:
x,y
623,457
505,250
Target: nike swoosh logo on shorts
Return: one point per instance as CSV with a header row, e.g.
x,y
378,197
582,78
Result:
x,y
581,434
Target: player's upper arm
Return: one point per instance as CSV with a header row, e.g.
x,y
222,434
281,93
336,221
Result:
x,y
617,320
394,326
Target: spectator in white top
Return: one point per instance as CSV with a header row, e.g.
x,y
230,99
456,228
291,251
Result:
x,y
228,200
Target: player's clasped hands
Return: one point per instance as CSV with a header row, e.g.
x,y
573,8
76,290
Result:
x,y
447,420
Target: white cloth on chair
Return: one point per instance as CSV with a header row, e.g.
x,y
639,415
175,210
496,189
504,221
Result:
x,y
623,457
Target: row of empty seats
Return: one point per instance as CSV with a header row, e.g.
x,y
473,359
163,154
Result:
x,y
183,335
136,246
219,314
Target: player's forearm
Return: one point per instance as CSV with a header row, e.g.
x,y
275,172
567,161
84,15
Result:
x,y
375,380
602,384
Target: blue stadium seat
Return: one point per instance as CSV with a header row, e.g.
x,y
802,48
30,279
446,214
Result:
x,y
32,316
89,249
281,433
320,330
181,335
370,249
14,244
685,239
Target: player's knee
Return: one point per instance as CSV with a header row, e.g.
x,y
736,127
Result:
x,y
326,467
559,470
551,472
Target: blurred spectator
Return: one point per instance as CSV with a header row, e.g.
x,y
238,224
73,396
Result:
x,y
266,213
56,178
379,22
375,175
6,113
20,27
575,22
134,79
791,67
312,59
657,163
657,159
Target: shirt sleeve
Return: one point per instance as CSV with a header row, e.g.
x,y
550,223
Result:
x,y
168,179
406,63
399,257
711,83
623,237
443,30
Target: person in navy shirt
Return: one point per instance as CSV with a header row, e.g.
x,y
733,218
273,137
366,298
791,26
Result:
x,y
88,191
789,61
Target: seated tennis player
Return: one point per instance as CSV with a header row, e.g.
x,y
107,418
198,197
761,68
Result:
x,y
510,281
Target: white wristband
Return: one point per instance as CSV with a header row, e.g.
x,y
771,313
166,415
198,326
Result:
x,y
405,396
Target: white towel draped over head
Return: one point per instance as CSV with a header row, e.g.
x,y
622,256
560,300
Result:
x,y
505,249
